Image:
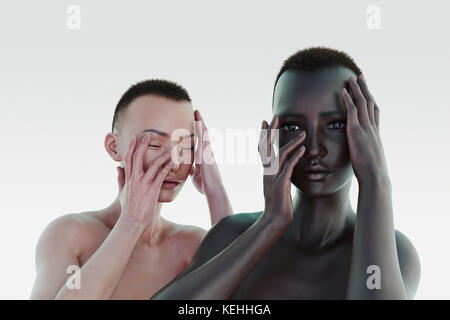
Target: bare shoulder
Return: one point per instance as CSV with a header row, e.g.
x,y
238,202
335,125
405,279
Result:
x,y
409,263
69,232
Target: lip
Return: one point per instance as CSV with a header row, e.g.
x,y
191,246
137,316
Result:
x,y
316,176
316,173
170,184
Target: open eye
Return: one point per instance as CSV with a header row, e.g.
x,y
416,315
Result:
x,y
290,128
339,124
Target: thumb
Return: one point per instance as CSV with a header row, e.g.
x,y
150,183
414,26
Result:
x,y
120,178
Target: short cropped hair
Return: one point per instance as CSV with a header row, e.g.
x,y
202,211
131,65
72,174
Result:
x,y
318,58
157,87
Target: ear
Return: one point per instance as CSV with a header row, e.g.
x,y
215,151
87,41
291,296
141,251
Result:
x,y
111,146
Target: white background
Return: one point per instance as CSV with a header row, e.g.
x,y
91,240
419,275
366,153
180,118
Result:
x,y
59,87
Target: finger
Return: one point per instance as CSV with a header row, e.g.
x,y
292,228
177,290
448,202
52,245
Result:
x,y
361,103
162,174
273,126
138,157
201,119
265,150
289,147
377,117
155,166
352,112
290,164
369,98
205,133
271,137
263,132
200,138
129,158
177,157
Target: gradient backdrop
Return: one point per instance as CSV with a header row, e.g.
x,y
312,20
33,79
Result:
x,y
59,87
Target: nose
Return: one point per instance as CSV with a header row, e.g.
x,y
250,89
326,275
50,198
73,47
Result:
x,y
178,156
315,148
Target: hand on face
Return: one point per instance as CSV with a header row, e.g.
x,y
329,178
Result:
x,y
139,189
277,184
362,129
205,174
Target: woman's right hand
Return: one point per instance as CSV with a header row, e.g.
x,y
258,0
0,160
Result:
x,y
141,190
277,174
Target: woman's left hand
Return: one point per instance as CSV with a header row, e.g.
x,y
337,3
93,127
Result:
x,y
205,174
363,136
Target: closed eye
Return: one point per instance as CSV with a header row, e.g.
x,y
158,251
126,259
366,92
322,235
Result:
x,y
154,146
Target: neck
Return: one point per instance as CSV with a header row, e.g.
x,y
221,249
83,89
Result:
x,y
319,221
151,235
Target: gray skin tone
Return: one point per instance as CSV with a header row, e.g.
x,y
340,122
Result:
x,y
313,246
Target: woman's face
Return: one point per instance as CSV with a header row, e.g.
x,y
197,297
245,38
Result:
x,y
164,118
311,101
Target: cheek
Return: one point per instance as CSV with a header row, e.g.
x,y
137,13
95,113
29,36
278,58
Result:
x,y
149,157
338,154
283,140
183,172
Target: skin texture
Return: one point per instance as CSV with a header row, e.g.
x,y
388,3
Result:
x,y
127,250
313,246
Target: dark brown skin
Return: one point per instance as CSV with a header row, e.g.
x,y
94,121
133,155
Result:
x,y
312,247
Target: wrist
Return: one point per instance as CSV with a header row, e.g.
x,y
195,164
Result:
x,y
216,192
276,225
375,179
130,224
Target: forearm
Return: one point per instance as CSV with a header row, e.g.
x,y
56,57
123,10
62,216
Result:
x,y
101,273
374,244
221,276
219,204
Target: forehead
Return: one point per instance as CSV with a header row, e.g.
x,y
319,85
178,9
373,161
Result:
x,y
305,92
153,112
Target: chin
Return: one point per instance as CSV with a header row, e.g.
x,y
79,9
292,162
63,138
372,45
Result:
x,y
168,195
314,188
319,189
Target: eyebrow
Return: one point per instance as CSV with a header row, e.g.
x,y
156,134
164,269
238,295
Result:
x,y
164,134
322,114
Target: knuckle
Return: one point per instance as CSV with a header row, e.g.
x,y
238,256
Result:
x,y
129,154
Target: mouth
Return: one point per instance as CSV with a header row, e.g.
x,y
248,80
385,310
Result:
x,y
316,175
169,184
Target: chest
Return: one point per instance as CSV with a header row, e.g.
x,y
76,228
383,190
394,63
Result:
x,y
147,270
285,273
